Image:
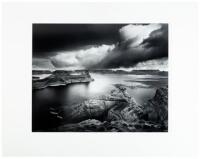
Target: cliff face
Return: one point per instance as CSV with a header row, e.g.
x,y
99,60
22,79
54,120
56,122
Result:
x,y
117,112
114,112
156,109
61,77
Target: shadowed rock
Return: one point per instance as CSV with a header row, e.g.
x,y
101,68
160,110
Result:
x,y
90,109
156,109
117,112
93,125
128,110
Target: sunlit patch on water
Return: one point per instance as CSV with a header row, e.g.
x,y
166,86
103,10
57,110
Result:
x,y
101,84
142,88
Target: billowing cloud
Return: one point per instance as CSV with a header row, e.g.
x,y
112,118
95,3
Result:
x,y
81,59
139,46
137,33
151,42
156,64
157,43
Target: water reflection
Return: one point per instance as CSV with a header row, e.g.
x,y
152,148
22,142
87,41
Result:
x,y
101,84
75,93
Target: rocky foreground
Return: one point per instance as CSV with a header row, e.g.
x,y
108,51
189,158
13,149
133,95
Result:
x,y
116,112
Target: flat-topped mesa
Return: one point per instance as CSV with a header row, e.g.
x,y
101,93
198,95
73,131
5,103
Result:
x,y
73,76
61,77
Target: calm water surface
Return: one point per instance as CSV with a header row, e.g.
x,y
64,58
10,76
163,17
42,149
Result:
x,y
43,99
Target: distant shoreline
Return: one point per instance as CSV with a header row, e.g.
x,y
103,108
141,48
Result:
x,y
137,72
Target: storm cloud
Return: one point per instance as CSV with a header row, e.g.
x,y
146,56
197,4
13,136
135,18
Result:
x,y
84,58
51,38
139,43
103,46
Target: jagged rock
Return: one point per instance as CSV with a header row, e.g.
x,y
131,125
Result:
x,y
93,125
120,107
147,126
86,125
127,110
117,114
156,109
90,109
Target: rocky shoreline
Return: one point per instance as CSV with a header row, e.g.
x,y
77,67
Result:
x,y
59,78
116,112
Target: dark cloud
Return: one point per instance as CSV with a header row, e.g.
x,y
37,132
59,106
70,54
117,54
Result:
x,y
157,43
48,38
127,54
99,45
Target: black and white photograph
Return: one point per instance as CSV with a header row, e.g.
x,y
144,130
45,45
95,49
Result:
x,y
100,77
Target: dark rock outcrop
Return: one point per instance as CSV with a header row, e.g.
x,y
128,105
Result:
x,y
128,110
117,112
156,109
93,125
90,109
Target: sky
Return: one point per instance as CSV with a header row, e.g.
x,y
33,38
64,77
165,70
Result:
x,y
100,46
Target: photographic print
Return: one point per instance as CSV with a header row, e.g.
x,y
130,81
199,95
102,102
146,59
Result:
x,y
100,77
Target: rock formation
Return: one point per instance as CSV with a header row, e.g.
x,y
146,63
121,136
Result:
x,y
117,112
156,109
61,77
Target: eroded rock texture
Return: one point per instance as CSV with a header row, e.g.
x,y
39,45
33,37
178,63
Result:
x,y
156,109
117,112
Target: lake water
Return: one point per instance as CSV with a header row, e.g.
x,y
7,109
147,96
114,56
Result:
x,y
68,95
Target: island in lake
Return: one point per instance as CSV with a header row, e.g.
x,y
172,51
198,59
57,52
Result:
x,y
118,108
